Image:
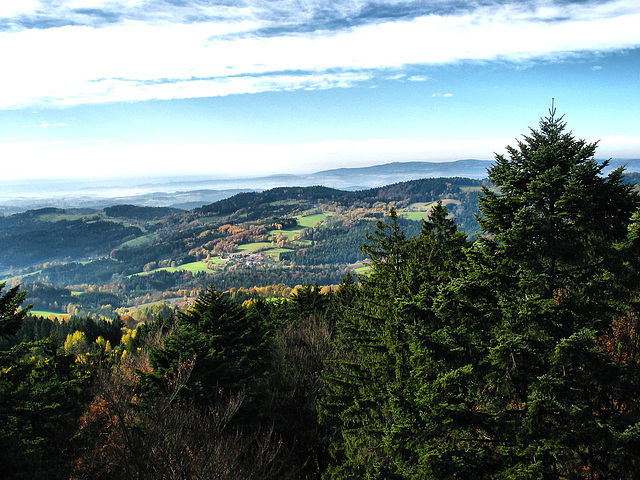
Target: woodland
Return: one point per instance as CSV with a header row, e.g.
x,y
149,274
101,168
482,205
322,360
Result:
x,y
117,261
508,352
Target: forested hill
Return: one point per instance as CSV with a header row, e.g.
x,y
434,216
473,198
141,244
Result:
x,y
286,235
422,190
135,212
261,200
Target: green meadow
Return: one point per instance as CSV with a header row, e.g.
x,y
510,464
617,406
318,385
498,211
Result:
x,y
252,247
45,314
311,220
193,267
287,233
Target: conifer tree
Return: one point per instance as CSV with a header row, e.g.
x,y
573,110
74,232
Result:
x,y
11,313
556,247
356,403
224,341
383,341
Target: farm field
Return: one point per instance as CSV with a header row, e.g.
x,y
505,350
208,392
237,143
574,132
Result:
x,y
253,247
311,220
287,233
193,267
119,261
47,314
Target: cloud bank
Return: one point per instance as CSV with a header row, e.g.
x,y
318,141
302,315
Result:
x,y
70,52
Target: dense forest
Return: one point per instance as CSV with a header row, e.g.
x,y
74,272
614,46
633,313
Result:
x,y
510,354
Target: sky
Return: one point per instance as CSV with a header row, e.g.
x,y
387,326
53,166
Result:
x,y
232,88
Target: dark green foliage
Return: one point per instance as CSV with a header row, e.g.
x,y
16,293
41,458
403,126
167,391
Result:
x,y
48,297
60,240
485,360
223,341
11,313
309,302
41,395
290,391
98,299
558,229
35,328
384,335
135,212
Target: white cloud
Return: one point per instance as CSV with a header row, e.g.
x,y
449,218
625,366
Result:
x,y
12,8
617,146
140,60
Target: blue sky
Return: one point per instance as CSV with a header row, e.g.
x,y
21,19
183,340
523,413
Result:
x,y
126,88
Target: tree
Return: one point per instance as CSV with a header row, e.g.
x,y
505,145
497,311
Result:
x,y
41,392
11,314
357,383
385,349
557,245
290,392
165,437
225,340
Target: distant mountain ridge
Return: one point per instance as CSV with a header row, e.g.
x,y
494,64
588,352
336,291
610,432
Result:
x,y
190,192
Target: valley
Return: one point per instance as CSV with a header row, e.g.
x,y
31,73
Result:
x,y
130,257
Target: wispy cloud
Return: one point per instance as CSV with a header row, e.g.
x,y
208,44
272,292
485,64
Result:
x,y
72,52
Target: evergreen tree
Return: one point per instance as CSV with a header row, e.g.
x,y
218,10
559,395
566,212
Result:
x,y
384,344
11,313
356,404
221,341
557,233
41,395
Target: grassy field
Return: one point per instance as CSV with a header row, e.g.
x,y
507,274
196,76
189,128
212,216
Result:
x,y
414,215
275,252
217,260
252,247
136,242
420,206
311,220
9,280
362,270
45,314
193,267
287,233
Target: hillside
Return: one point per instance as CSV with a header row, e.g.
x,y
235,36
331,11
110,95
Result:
x,y
141,255
284,235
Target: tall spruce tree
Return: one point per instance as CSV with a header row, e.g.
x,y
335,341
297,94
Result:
x,y
369,339
384,341
556,245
